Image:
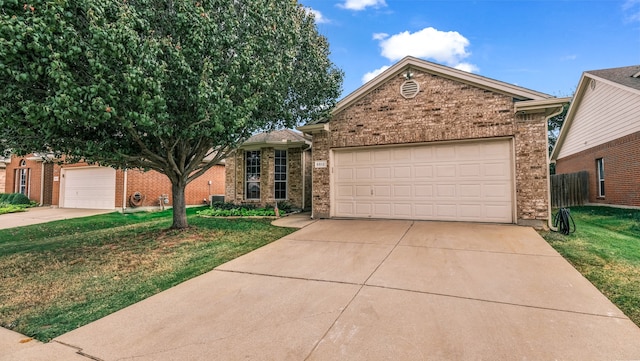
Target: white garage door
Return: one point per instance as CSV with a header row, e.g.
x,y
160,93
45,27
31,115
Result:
x,y
92,188
465,181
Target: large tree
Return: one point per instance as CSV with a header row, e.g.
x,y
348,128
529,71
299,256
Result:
x,y
172,86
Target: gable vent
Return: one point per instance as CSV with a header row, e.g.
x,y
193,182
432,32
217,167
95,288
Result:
x,y
409,89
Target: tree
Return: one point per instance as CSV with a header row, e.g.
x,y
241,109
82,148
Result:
x,y
553,131
155,84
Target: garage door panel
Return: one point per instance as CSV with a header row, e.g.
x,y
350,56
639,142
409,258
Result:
x,y
382,173
446,171
402,190
402,172
423,211
453,181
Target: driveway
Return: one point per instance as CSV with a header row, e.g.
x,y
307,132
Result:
x,y
370,290
45,214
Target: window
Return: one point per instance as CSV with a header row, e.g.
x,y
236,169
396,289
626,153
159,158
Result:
x,y
252,173
600,169
280,174
22,179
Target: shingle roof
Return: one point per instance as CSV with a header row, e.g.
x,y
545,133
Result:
x,y
277,136
623,75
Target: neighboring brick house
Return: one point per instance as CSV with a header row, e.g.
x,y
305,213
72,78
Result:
x,y
601,135
83,186
269,167
428,142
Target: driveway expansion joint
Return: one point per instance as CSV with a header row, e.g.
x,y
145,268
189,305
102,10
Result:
x,y
498,302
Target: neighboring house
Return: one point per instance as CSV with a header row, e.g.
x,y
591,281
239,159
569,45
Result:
x,y
428,142
3,171
271,167
601,135
84,186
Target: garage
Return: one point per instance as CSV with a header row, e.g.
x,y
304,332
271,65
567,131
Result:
x,y
452,181
90,188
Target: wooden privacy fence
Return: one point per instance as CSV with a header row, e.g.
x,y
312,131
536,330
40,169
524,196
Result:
x,y
570,189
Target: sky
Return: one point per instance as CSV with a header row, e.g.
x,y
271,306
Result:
x,y
542,45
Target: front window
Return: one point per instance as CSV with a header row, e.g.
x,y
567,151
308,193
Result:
x,y
22,179
280,174
600,169
252,161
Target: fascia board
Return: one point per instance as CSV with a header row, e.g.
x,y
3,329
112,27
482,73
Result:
x,y
547,106
573,108
314,128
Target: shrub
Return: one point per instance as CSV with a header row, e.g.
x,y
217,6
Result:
x,y
14,198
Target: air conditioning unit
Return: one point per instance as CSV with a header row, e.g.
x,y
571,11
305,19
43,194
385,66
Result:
x,y
216,198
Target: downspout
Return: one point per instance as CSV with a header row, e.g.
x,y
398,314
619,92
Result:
x,y
550,218
42,185
124,192
303,151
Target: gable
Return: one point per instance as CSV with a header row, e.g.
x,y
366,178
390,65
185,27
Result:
x,y
411,65
603,111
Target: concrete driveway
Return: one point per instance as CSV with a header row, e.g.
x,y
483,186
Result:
x,y
370,290
45,214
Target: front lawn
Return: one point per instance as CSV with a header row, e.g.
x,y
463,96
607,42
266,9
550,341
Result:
x,y
606,250
58,276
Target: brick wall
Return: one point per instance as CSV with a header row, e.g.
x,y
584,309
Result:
x,y
152,185
443,110
235,178
621,168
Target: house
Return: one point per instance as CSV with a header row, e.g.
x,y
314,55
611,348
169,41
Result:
x,y
3,171
601,135
428,142
86,186
271,167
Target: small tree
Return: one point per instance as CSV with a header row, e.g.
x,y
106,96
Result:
x,y
159,85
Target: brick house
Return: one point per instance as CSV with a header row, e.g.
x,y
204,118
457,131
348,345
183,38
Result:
x,y
428,142
84,186
269,167
601,135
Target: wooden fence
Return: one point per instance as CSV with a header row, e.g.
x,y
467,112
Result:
x,y
570,189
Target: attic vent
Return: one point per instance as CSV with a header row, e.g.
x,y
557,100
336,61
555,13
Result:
x,y
592,84
409,89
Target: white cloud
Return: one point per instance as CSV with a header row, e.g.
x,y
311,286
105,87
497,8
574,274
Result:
x,y
632,10
320,19
447,47
568,57
358,5
372,74
469,68
380,36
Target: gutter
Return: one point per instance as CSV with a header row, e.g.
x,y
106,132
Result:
x,y
550,220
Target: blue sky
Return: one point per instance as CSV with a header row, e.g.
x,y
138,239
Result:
x,y
538,44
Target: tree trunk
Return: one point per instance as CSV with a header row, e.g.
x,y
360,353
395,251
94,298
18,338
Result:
x,y
179,206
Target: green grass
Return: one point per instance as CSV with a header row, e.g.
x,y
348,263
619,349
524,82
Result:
x,y
61,275
606,250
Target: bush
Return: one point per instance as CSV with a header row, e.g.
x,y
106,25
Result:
x,y
14,198
238,212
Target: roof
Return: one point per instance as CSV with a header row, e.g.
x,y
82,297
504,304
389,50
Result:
x,y
623,76
409,62
288,137
627,77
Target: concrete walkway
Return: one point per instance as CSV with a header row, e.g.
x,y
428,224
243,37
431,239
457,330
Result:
x,y
45,214
370,290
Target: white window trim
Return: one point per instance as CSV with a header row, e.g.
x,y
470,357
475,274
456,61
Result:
x,y
600,173
246,175
286,172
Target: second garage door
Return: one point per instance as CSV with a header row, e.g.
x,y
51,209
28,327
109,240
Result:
x,y
465,181
91,188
